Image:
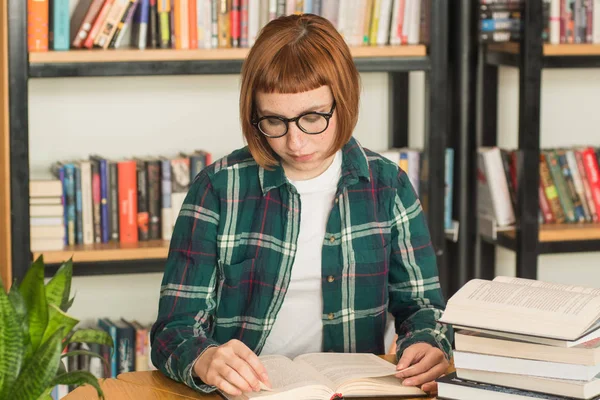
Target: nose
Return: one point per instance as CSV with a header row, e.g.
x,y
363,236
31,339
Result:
x,y
296,139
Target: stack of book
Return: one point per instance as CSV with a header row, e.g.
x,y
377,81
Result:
x,y
46,214
520,338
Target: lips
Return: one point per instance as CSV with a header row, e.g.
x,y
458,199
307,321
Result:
x,y
302,158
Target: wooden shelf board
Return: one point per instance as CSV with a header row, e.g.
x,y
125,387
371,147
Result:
x,y
154,249
564,232
584,49
158,55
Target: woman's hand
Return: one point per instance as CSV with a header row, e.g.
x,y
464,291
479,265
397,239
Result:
x,y
421,364
231,367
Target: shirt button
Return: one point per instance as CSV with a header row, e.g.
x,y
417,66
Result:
x,y
331,239
337,200
330,316
330,279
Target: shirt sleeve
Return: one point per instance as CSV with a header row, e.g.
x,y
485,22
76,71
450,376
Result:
x,y
416,299
182,331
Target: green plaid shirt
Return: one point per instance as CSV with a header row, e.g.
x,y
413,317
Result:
x,y
233,248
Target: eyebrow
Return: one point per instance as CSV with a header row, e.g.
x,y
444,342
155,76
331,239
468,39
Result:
x,y
314,108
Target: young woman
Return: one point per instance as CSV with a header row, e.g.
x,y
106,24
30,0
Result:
x,y
303,240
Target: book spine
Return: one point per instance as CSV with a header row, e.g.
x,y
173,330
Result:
x,y
550,190
561,186
71,212
193,24
88,205
545,205
586,186
126,349
153,25
214,27
154,199
141,19
127,181
224,24
234,21
37,25
142,201
86,24
244,21
506,160
110,24
577,182
123,24
113,201
164,10
60,25
166,215
78,206
570,185
207,13
98,23
593,174
111,356
96,199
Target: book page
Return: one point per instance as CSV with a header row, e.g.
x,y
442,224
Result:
x,y
548,285
531,309
285,376
342,367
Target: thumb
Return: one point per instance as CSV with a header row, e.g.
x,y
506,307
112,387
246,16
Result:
x,y
408,356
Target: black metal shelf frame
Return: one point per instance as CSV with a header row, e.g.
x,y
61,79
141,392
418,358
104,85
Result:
x,y
200,67
499,59
435,66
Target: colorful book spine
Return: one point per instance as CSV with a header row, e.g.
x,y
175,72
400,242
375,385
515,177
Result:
x,y
37,25
60,25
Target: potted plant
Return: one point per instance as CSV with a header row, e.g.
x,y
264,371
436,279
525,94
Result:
x,y
35,329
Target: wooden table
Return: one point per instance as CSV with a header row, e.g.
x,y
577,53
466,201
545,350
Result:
x,y
153,385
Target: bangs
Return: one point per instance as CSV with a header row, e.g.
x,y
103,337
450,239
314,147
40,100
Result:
x,y
294,69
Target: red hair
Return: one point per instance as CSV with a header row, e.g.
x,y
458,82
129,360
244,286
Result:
x,y
295,54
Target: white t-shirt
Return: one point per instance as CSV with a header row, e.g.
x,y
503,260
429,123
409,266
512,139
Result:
x,y
298,328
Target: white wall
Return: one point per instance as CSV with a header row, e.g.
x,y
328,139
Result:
x,y
120,117
570,116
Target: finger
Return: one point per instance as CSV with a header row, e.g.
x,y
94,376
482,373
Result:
x,y
408,357
430,388
227,387
252,359
428,376
245,371
430,359
234,378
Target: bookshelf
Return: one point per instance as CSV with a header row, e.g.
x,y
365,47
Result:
x,y
396,61
530,56
5,245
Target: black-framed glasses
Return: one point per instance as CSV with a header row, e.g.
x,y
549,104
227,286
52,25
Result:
x,y
311,123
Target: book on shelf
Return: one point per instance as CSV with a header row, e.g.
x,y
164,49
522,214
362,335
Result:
x,y
523,338
325,375
564,21
46,213
99,200
411,162
192,24
569,185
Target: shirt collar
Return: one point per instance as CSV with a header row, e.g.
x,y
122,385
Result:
x,y
355,166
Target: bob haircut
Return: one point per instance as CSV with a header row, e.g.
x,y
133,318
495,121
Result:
x,y
295,54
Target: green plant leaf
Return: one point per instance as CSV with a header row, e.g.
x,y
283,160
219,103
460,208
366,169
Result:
x,y
34,294
78,378
97,336
84,353
47,395
58,320
11,344
58,288
37,375
18,304
61,368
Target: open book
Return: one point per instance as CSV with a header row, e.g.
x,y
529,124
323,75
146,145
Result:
x,y
322,375
525,309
